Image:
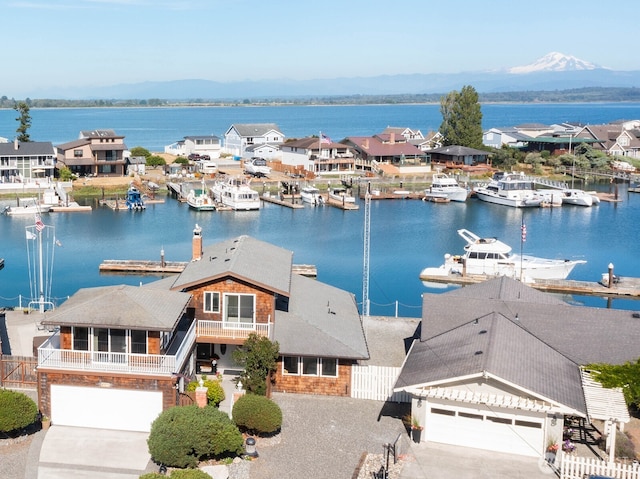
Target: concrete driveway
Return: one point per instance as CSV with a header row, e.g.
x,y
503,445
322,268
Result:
x,y
74,453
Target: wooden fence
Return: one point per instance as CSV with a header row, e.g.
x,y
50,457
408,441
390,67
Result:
x,y
18,372
580,467
376,382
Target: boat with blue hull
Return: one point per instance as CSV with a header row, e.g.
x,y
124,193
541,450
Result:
x,y
133,200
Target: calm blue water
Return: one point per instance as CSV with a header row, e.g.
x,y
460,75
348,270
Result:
x,y
406,236
153,128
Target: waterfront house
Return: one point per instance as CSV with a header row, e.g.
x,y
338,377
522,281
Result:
x,y
387,149
502,368
318,156
241,135
95,152
121,354
196,145
25,162
456,156
615,139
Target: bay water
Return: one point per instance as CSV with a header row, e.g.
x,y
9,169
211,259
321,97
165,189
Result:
x,y
406,235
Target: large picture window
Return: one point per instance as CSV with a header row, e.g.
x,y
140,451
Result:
x,y
80,339
309,366
211,302
239,309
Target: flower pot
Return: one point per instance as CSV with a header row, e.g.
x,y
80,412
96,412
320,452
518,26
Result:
x,y
45,423
416,435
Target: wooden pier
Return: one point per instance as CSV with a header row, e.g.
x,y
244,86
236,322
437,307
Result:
x,y
174,267
624,287
288,202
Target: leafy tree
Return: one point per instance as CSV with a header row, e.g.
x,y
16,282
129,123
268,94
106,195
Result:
x,y
461,118
257,413
25,121
66,174
17,410
183,435
140,151
181,161
258,356
155,161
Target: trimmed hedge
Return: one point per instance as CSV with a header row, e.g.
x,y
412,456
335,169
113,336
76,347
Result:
x,y
183,435
257,413
215,391
178,474
17,410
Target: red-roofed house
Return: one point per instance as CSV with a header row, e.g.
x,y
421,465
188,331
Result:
x,y
390,149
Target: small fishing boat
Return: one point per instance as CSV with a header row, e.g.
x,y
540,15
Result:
x,y
339,194
199,199
311,195
27,206
133,200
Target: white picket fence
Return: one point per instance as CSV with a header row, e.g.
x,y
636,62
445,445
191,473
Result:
x,y
376,382
573,467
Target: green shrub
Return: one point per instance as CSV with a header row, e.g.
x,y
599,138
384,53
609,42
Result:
x,y
257,413
17,410
624,446
183,435
189,474
152,475
215,391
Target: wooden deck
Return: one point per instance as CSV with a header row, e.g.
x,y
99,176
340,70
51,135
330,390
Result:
x,y
296,203
168,267
625,287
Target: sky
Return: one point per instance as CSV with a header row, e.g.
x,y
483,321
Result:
x,y
66,43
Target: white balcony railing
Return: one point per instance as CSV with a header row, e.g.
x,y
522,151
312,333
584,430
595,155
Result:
x,y
227,330
50,356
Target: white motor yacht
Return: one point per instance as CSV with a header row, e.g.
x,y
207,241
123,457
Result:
x,y
572,196
200,200
510,189
444,186
236,194
491,257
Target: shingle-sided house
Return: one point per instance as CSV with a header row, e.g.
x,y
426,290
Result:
x,y
498,365
20,162
95,152
241,135
318,155
387,149
120,354
617,139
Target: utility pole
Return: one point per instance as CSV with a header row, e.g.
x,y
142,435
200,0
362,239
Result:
x,y
367,239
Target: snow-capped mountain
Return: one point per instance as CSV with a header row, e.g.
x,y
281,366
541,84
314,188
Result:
x,y
555,62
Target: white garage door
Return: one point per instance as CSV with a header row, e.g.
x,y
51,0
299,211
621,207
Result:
x,y
104,408
485,430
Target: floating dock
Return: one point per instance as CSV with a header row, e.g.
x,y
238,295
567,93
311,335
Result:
x,y
171,267
285,202
623,287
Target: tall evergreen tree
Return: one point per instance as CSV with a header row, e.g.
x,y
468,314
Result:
x,y
25,121
461,118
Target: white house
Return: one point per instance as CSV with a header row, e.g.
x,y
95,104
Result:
x,y
196,145
239,136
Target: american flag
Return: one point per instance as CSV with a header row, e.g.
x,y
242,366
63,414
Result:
x,y
524,232
39,223
325,139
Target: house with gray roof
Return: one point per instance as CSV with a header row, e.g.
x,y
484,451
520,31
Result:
x,y
26,161
119,355
239,136
499,365
95,152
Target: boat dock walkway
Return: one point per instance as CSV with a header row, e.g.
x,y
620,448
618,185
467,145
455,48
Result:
x,y
288,202
623,287
170,267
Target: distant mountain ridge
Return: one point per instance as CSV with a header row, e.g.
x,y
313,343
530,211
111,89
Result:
x,y
554,71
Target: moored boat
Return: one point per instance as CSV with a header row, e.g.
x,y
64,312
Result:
x,y
257,167
340,194
311,195
509,189
236,194
443,185
491,257
133,200
27,206
572,196
199,199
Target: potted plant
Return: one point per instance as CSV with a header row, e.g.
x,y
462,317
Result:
x,y
45,422
416,429
552,449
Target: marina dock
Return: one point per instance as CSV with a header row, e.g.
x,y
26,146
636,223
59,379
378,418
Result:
x,y
288,202
174,267
624,287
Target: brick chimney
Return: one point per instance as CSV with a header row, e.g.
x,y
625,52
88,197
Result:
x,y
16,145
392,138
196,249
365,144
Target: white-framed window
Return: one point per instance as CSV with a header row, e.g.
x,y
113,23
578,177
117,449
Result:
x,y
239,310
309,366
211,302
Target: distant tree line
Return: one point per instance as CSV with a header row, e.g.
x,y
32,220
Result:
x,y
577,95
